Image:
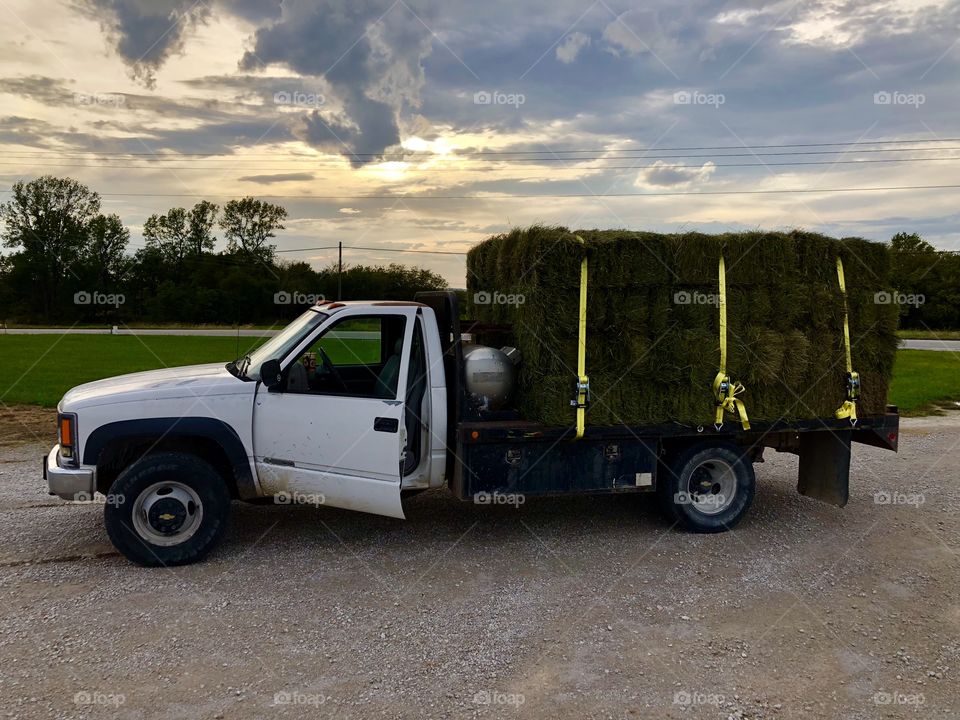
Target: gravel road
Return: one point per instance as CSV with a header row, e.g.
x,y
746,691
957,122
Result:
x,y
576,607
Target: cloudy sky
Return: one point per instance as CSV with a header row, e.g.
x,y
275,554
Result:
x,y
428,125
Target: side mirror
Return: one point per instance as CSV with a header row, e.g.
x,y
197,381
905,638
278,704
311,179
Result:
x,y
270,374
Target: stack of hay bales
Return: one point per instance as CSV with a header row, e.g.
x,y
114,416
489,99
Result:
x,y
653,329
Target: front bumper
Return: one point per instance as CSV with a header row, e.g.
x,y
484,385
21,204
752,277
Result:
x,y
67,483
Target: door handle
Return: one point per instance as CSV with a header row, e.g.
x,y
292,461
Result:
x,y
382,424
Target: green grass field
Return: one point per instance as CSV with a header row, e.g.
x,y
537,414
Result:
x,y
929,334
39,369
924,378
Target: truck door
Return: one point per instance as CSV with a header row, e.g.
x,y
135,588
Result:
x,y
333,431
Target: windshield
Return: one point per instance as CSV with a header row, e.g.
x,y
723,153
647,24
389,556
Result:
x,y
279,345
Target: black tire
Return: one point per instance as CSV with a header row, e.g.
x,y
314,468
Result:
x,y
175,495
685,476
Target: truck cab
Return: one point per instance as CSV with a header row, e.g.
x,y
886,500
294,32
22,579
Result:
x,y
345,407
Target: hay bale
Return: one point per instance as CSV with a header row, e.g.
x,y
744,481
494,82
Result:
x,y
652,357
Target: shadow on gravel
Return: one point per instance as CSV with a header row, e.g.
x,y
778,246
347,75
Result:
x,y
435,517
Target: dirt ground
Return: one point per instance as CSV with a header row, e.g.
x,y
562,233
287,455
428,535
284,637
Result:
x,y
576,607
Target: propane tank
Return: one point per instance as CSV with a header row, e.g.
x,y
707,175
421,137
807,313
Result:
x,y
490,374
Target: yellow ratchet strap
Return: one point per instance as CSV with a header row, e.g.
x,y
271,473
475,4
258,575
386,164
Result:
x,y
583,382
724,390
849,407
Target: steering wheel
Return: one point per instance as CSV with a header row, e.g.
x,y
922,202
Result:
x,y
331,369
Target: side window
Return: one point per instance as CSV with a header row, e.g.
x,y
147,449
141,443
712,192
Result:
x,y
358,356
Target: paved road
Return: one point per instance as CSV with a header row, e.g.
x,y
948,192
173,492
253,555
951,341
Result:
x,y
951,345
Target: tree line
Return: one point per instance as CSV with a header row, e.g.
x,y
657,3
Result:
x,y
71,263
927,283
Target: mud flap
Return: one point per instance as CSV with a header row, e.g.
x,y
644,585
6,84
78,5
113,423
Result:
x,y
825,466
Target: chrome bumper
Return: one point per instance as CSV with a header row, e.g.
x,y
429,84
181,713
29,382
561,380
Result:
x,y
67,483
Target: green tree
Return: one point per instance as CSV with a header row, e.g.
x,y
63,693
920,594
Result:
x,y
922,271
106,248
249,223
181,233
200,221
910,243
48,219
170,234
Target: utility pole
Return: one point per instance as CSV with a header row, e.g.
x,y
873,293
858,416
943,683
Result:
x,y
340,271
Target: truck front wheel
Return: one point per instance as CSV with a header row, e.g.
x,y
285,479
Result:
x,y
166,509
707,488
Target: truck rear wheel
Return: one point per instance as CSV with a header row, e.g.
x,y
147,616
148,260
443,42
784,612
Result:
x,y
707,488
167,509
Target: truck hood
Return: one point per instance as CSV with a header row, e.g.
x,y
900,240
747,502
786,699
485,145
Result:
x,y
192,381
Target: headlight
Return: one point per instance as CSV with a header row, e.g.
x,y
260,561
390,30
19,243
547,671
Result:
x,y
67,436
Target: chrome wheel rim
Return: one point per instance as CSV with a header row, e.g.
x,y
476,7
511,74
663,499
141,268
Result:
x,y
712,487
167,513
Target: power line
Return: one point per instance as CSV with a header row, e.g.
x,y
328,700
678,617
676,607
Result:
x,y
377,249
346,247
332,163
495,169
852,143
546,195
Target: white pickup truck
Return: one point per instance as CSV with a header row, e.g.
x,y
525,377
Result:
x,y
358,404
